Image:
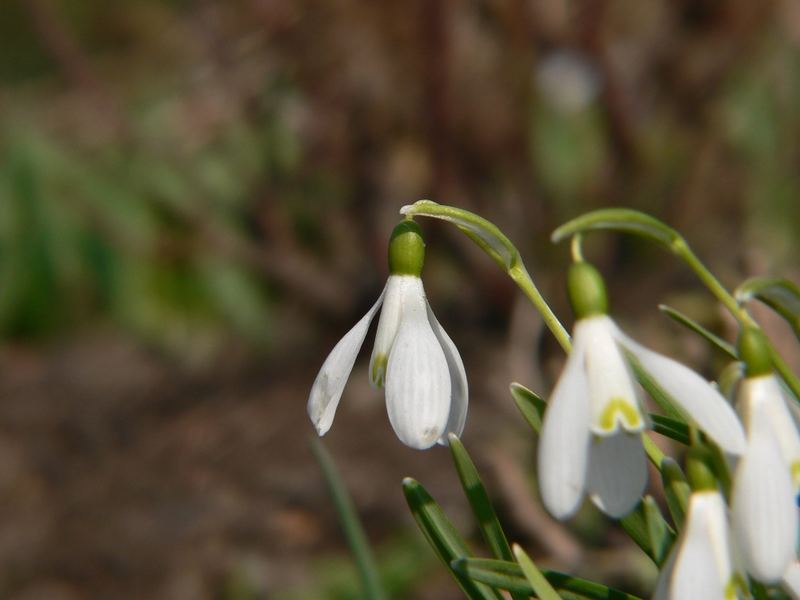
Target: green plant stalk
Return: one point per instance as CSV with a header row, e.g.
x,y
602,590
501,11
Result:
x,y
348,517
524,281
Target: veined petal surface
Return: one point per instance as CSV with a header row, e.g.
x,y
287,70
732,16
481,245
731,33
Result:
x,y
702,568
417,379
701,402
397,286
614,403
617,473
564,439
763,509
459,390
332,377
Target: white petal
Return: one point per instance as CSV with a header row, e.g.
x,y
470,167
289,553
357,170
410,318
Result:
x,y
764,513
768,392
614,403
332,377
417,379
791,580
564,439
702,568
396,288
459,391
701,402
617,473
665,576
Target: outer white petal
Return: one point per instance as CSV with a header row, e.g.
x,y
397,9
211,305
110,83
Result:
x,y
791,580
617,473
665,576
417,379
702,403
459,390
564,439
764,514
767,390
614,402
332,377
388,324
702,569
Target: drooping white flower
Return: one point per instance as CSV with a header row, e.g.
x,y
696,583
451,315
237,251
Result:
x,y
700,566
413,357
763,505
590,440
791,580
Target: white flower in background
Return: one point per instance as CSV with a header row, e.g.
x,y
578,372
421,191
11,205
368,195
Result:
x,y
700,565
591,434
413,357
763,505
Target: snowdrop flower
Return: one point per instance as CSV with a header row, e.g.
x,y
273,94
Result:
x,y
700,566
591,434
791,580
763,510
413,357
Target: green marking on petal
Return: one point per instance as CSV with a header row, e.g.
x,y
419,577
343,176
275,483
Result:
x,y
796,473
378,374
737,587
620,410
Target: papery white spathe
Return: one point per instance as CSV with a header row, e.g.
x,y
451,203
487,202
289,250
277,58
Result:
x,y
590,438
763,509
424,377
700,565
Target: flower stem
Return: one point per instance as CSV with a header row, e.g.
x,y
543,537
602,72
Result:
x,y
523,279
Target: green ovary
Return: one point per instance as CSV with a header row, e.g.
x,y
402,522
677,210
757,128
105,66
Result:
x,y
620,409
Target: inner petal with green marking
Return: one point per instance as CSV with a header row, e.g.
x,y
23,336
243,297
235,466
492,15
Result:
x,y
378,374
619,412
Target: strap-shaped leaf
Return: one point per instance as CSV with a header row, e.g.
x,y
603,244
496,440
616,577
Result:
x,y
781,295
636,524
619,219
479,501
693,325
671,428
541,587
529,404
508,576
445,540
348,517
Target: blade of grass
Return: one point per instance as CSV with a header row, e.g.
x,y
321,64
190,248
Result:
x,y
539,583
362,554
716,341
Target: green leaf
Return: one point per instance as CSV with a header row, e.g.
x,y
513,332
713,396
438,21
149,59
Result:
x,y
781,295
671,428
445,540
636,525
676,490
509,576
619,219
529,404
541,587
484,233
693,325
348,517
661,538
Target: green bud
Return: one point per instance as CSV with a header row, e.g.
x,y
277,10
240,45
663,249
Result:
x,y
587,291
699,471
754,352
406,249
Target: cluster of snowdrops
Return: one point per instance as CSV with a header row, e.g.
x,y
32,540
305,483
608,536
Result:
x,y
733,514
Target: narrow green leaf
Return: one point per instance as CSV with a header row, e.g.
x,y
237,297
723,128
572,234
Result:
x,y
509,576
445,540
484,233
348,517
637,527
618,219
693,325
676,490
670,428
781,295
529,404
541,587
661,538
479,501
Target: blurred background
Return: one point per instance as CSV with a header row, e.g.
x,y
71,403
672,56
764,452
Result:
x,y
195,201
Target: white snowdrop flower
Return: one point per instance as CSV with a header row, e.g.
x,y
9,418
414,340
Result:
x,y
591,434
791,580
413,357
763,506
700,566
